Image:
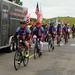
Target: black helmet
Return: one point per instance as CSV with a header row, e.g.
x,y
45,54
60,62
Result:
x,y
22,22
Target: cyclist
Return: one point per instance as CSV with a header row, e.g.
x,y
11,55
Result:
x,y
59,31
46,34
38,32
52,31
69,28
23,32
73,30
66,28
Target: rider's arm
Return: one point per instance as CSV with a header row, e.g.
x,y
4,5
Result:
x,y
16,33
55,30
42,37
27,33
48,30
34,31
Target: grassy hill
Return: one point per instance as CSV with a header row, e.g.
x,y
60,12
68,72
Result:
x,y
70,20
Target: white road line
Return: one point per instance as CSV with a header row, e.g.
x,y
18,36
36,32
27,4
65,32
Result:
x,y
72,45
45,43
61,44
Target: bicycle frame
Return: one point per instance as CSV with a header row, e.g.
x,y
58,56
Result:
x,y
58,39
37,49
50,43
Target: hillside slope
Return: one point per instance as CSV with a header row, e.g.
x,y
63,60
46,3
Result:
x,y
70,20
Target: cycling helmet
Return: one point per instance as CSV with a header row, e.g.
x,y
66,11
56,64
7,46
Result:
x,y
22,22
51,22
38,23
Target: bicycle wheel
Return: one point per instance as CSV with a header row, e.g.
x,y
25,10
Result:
x,y
36,52
52,45
49,46
25,59
58,41
72,35
17,58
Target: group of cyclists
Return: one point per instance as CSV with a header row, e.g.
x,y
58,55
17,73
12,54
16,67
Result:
x,y
38,32
60,30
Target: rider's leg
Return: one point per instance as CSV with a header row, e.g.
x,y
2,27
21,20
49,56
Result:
x,y
57,39
53,42
69,35
27,48
41,47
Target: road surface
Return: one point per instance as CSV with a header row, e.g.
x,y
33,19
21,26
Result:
x,y
61,61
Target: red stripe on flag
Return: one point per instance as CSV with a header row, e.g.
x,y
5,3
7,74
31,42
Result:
x,y
28,19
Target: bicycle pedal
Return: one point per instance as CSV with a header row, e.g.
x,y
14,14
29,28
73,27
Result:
x,y
40,54
18,62
53,48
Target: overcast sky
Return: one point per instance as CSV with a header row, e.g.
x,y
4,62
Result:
x,y
51,8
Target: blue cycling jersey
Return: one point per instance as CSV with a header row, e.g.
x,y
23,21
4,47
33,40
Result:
x,y
66,28
52,29
59,29
22,32
38,31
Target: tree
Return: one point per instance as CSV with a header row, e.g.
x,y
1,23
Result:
x,y
10,0
17,2
21,3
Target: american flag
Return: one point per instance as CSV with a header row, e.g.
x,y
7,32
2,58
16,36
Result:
x,y
37,12
28,19
37,9
25,11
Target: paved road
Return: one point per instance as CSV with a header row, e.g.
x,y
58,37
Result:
x,y
61,61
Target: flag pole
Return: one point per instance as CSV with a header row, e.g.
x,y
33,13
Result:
x,y
41,15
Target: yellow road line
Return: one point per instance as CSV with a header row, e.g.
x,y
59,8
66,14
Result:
x,y
31,56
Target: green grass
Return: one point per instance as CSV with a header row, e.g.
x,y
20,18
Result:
x,y
70,20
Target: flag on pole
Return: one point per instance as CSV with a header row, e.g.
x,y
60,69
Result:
x,y
37,12
37,9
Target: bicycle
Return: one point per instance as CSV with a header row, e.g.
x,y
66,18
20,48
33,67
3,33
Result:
x,y
37,49
20,55
66,37
58,39
73,34
50,43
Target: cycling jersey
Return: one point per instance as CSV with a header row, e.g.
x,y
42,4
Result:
x,y
52,30
59,29
38,31
22,32
73,28
66,29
